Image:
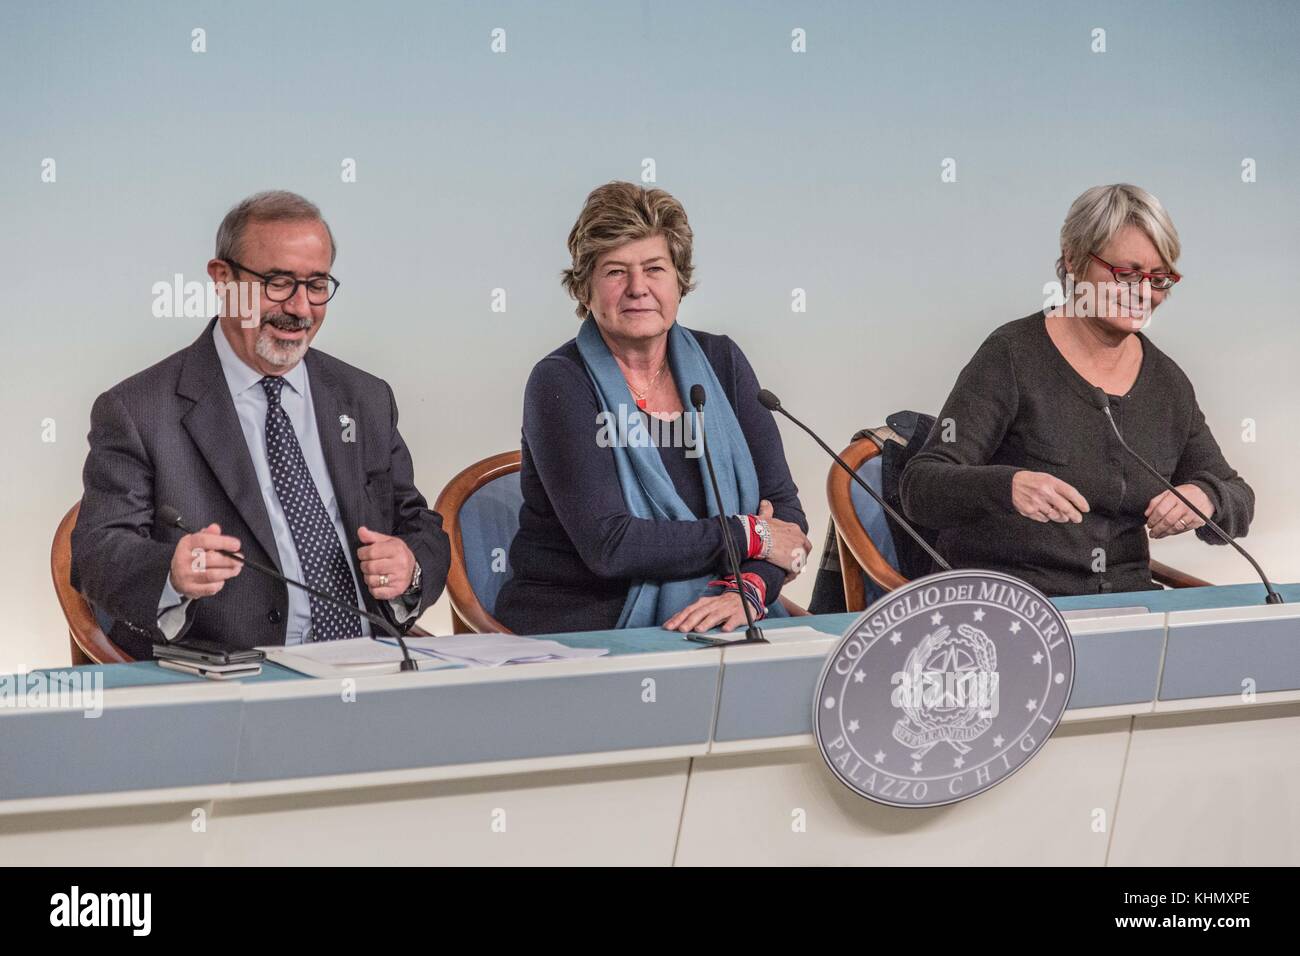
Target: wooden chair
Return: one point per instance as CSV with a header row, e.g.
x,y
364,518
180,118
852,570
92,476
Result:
x,y
468,616
90,645
859,555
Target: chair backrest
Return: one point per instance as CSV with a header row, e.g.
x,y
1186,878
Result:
x,y
480,513
90,643
868,560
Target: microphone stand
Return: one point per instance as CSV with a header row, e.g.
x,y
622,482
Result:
x,y
1103,403
772,403
408,664
752,633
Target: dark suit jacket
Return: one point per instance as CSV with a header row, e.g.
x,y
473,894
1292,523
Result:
x,y
170,436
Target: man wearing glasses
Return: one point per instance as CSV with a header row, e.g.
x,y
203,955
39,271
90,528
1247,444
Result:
x,y
268,447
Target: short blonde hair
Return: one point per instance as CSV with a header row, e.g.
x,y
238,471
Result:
x,y
1101,212
618,213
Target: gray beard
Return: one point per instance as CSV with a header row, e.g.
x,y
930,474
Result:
x,y
273,352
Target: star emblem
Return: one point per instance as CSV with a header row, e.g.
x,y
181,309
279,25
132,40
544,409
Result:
x,y
958,762
1031,704
880,756
1038,657
895,638
853,726
998,741
936,618
916,767
859,676
979,614
1015,627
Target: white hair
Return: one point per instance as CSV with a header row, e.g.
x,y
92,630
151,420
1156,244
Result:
x,y
1101,212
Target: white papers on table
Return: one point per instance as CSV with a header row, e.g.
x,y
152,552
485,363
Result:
x,y
493,650
459,650
795,635
350,657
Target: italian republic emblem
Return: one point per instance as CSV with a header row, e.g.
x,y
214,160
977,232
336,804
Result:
x,y
943,689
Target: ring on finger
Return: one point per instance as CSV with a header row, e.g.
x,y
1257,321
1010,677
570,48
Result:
x,y
383,580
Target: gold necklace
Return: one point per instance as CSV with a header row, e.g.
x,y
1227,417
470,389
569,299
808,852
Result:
x,y
640,394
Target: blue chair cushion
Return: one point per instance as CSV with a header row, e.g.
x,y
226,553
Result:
x,y
489,519
102,618
874,519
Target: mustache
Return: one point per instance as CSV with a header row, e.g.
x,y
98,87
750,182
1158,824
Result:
x,y
287,323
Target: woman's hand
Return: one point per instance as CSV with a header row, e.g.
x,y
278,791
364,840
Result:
x,y
1044,497
790,546
724,610
1167,515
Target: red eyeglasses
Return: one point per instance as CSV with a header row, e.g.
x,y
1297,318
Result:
x,y
1160,281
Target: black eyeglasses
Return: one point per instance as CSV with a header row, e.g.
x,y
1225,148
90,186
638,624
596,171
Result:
x,y
281,287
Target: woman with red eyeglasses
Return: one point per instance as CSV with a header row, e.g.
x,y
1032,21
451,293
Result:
x,y
1022,472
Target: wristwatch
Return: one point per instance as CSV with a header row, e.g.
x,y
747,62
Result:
x,y
416,575
764,532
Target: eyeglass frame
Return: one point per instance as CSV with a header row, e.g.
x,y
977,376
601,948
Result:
x,y
1114,270
267,277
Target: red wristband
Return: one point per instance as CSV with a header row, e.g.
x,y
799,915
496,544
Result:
x,y
758,585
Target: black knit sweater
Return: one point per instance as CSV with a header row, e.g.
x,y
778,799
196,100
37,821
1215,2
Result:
x,y
1019,405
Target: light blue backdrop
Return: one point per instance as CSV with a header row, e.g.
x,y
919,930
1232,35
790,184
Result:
x,y
817,171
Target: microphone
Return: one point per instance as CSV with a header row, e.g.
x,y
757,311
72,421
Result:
x,y
1102,404
773,404
752,634
171,517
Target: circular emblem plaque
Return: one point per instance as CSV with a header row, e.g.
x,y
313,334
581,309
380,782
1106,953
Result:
x,y
943,689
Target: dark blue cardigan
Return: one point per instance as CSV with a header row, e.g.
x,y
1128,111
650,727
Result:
x,y
578,549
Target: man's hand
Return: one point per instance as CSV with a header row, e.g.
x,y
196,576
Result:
x,y
1167,515
723,610
1044,497
387,564
198,570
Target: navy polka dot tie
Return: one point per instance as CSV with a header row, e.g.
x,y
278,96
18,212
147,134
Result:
x,y
324,562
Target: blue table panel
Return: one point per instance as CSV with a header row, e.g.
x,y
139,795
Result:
x,y
1182,599
1225,659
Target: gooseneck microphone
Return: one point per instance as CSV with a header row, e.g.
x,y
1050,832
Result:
x,y
752,634
773,404
1102,403
171,517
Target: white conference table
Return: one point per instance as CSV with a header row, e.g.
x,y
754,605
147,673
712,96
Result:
x,y
1178,747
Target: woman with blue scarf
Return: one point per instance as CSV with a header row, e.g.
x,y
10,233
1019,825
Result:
x,y
617,528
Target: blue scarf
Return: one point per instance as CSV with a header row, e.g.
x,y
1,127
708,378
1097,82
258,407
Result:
x,y
647,489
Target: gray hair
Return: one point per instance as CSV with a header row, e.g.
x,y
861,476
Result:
x,y
1102,211
275,205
